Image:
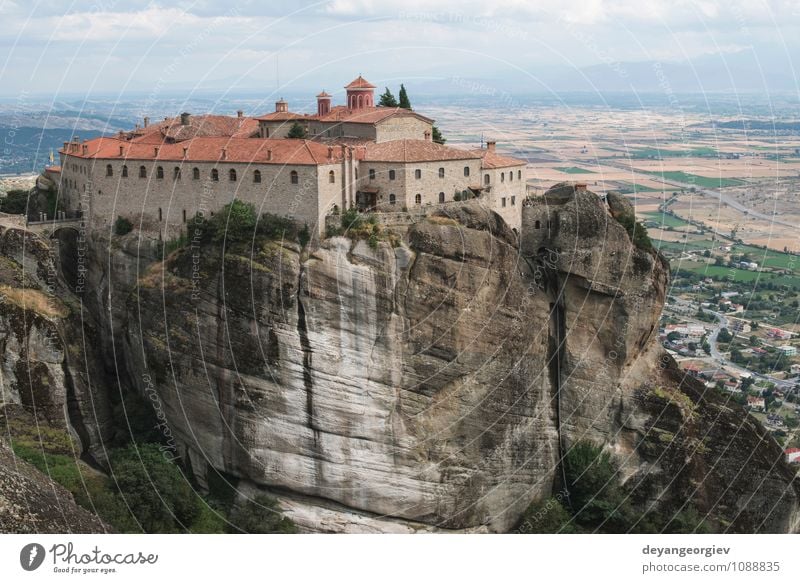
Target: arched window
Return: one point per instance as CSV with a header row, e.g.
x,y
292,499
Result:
x,y
466,170
441,172
502,177
294,179
232,175
511,176
392,199
142,172
372,173
184,215
159,215
418,199
537,225
486,179
441,197
417,173
519,174
391,174
124,171
196,173
160,172
331,177
109,170
257,176
215,175
176,173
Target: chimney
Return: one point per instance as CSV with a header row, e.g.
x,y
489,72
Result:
x,y
185,118
239,113
146,121
155,152
427,136
121,151
224,153
580,187
269,154
330,152
66,145
85,149
185,152
490,145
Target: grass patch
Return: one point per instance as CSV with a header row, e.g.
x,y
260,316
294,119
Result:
x,y
665,220
35,301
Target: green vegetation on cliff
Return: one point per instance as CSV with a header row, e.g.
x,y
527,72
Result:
x,y
595,501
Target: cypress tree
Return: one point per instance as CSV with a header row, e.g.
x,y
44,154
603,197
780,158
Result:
x,y
404,102
437,136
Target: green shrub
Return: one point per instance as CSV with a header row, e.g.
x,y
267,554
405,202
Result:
x,y
261,516
154,488
15,202
122,226
546,517
235,222
304,236
636,231
277,228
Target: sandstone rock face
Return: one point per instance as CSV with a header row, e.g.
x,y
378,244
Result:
x,y
401,382
430,386
49,363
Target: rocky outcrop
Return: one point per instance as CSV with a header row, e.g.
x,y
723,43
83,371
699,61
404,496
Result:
x,y
49,362
397,381
430,386
31,503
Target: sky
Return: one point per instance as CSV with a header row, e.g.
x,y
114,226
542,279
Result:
x,y
117,47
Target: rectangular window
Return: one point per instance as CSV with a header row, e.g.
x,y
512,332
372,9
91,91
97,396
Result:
x,y
503,201
513,200
372,174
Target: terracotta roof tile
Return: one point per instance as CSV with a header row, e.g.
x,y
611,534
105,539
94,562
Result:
x,y
495,160
209,149
359,83
415,151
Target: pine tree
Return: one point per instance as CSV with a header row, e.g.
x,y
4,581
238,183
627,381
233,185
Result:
x,y
387,99
437,136
404,102
296,131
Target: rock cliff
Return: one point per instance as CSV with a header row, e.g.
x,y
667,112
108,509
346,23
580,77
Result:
x,y
432,385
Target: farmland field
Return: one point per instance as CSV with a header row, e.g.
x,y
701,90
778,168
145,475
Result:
x,y
666,220
701,181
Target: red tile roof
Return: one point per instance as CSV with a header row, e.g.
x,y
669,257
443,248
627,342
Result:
x,y
209,149
340,114
495,160
415,151
359,83
323,94
372,115
283,116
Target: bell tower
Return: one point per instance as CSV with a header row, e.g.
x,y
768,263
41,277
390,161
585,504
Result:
x,y
323,104
360,93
